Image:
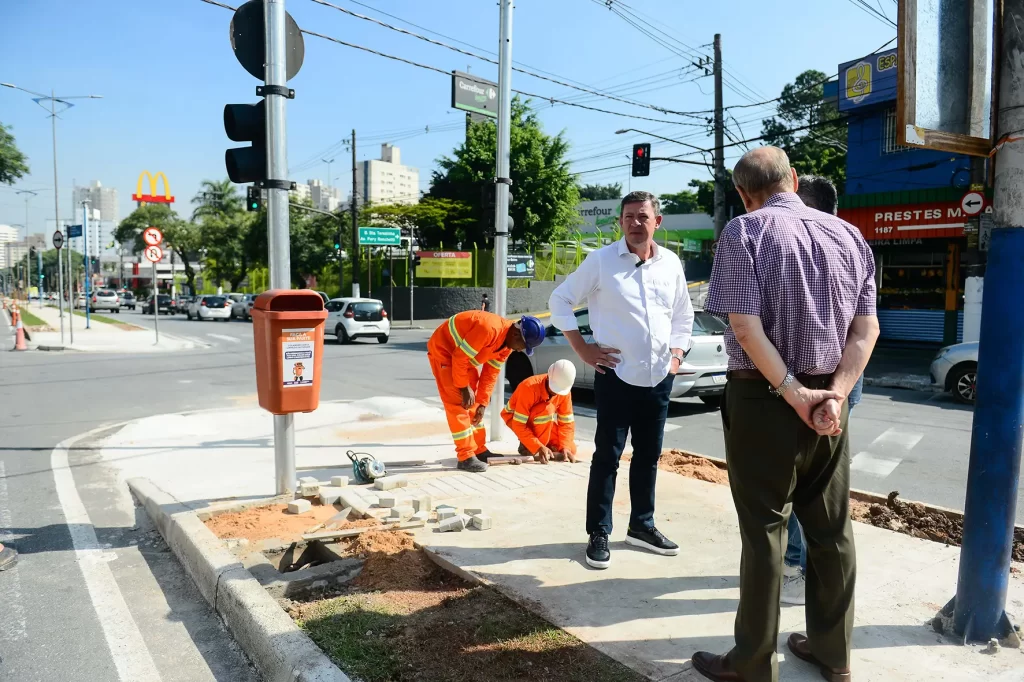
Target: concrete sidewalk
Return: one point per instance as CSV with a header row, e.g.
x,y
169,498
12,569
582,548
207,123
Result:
x,y
648,612
101,337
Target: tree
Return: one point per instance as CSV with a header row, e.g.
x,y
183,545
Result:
x,y
224,227
601,192
684,201
311,240
705,196
181,236
820,148
12,162
544,192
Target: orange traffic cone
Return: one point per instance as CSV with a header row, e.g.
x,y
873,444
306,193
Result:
x,y
19,339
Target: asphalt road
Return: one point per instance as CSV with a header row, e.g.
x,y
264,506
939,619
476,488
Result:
x,y
53,627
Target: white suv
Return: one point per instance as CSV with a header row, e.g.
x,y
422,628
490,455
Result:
x,y
353,318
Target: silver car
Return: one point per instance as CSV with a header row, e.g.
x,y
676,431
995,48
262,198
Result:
x,y
955,369
104,299
242,309
702,374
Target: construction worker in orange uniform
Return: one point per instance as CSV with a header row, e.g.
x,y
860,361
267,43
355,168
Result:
x,y
540,414
466,355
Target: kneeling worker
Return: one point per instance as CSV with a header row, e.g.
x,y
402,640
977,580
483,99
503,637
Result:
x,y
466,355
540,414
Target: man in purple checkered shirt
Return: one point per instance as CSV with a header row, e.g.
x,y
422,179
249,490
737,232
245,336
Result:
x,y
797,286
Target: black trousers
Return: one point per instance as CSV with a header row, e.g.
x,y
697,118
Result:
x,y
778,465
624,408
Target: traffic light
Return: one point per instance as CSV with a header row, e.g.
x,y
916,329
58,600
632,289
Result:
x,y
246,123
641,159
253,198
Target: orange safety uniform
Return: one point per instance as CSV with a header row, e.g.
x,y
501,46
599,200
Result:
x,y
467,351
539,417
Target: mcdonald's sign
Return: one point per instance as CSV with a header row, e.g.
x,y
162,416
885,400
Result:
x,y
153,197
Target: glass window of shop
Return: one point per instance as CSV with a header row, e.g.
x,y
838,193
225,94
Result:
x,y
914,277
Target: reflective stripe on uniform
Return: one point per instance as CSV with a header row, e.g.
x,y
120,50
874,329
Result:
x,y
566,418
461,435
520,417
495,364
461,343
543,419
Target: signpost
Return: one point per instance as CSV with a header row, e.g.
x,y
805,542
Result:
x,y
153,254
972,203
58,243
74,231
380,236
475,95
520,266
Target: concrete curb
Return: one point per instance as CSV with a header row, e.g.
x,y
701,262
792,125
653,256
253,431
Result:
x,y
269,637
913,382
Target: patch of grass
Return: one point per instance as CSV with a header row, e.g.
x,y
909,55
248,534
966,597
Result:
x,y
358,633
99,318
30,320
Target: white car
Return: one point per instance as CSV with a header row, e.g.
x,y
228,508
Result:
x,y
210,308
355,318
955,369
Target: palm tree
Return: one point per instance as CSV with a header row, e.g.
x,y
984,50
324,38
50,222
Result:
x,y
216,198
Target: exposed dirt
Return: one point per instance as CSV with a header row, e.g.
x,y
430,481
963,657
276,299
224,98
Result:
x,y
693,466
407,620
273,521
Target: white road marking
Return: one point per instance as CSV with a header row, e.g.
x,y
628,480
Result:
x,y
585,412
672,427
12,627
433,399
222,337
901,439
127,647
870,464
184,381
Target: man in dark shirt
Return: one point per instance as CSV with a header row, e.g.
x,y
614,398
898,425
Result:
x,y
798,288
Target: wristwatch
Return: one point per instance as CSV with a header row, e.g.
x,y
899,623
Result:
x,y
781,389
680,357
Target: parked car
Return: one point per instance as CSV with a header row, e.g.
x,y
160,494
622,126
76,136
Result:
x,y
210,308
80,301
355,318
127,299
104,299
241,309
702,374
955,369
165,305
324,296
182,302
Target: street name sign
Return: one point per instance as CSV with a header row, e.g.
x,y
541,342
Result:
x,y
74,231
380,236
152,236
154,253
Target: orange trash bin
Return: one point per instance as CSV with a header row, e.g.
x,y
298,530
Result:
x,y
288,330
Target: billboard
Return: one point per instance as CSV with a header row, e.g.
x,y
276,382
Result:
x,y
868,81
474,95
935,219
445,264
519,266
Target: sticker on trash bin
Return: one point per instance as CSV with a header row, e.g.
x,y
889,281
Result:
x,y
297,357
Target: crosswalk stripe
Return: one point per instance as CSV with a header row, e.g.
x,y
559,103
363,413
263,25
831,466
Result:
x,y
886,452
222,337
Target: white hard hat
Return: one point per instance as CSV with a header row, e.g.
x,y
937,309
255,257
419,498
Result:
x,y
561,377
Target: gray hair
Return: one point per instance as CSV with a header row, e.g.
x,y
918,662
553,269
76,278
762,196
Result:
x,y
638,197
818,192
761,170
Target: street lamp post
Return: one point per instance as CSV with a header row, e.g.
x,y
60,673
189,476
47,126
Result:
x,y
28,197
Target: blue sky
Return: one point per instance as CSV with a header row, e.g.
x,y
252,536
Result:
x,y
166,69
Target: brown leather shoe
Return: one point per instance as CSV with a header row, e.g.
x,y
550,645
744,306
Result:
x,y
797,643
714,667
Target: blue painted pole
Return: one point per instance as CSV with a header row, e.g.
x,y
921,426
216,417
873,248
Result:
x,y
994,469
88,273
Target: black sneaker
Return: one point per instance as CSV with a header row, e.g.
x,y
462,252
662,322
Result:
x,y
598,555
8,557
473,465
652,540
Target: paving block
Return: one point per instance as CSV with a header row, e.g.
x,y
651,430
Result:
x,y
452,524
482,522
473,511
309,489
386,500
446,513
329,495
423,516
423,503
446,506
390,482
379,513
299,506
400,512
339,481
308,479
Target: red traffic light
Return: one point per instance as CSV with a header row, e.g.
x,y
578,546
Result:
x,y
640,151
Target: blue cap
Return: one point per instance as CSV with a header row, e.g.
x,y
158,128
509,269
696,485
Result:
x,y
533,332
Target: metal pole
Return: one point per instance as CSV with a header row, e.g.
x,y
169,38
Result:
x,y
719,142
391,277
501,221
994,468
369,271
88,270
39,271
156,306
412,273
60,291
353,205
277,214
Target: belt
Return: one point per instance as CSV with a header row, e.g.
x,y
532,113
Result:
x,y
757,376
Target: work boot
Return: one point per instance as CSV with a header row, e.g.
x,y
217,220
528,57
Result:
x,y
472,464
8,557
485,455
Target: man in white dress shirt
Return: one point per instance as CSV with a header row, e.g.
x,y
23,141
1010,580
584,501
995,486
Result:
x,y
641,316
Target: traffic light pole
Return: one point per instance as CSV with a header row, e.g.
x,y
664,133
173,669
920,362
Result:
x,y
502,188
275,37
719,142
354,206
978,610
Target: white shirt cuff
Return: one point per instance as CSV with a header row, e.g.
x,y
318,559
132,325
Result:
x,y
679,342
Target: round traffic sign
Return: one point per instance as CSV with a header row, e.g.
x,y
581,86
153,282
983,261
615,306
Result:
x,y
58,239
152,236
972,203
154,253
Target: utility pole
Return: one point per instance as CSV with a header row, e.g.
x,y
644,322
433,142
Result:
x,y
88,269
353,205
719,142
978,609
28,196
502,190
